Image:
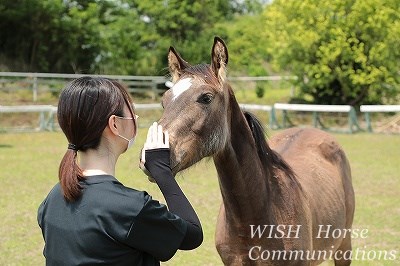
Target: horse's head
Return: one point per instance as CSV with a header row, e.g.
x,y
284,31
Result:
x,y
195,108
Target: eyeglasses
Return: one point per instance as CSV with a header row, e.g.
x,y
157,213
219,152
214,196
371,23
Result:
x,y
127,118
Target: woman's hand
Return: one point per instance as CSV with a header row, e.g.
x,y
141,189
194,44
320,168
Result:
x,y
156,139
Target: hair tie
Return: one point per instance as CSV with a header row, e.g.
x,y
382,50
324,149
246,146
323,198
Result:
x,y
72,147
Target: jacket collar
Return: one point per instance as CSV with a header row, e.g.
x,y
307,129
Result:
x,y
96,179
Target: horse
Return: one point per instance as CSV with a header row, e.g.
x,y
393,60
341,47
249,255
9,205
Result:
x,y
285,200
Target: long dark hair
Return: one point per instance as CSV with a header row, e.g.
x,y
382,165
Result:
x,y
84,108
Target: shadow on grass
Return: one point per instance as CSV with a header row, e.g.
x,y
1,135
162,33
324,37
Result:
x,y
5,146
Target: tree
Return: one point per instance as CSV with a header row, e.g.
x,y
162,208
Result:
x,y
343,51
247,51
187,25
49,35
184,24
111,37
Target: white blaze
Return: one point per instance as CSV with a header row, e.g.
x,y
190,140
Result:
x,y
180,87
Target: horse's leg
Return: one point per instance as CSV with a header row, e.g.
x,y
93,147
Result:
x,y
345,246
221,236
344,252
227,247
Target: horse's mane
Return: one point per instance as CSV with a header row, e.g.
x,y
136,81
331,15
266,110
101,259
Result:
x,y
271,158
203,71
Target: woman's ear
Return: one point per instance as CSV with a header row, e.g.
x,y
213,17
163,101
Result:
x,y
112,124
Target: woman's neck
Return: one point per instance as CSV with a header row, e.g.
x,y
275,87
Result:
x,y
97,162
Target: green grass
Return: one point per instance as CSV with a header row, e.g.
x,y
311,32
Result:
x,y
29,165
274,92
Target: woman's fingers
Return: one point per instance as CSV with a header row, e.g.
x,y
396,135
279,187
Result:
x,y
160,136
143,156
147,144
154,133
156,138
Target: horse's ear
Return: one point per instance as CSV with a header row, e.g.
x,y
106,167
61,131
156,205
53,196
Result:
x,y
175,64
219,58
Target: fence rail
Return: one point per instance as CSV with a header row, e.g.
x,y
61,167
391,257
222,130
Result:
x,y
158,84
367,109
47,113
15,80
138,84
316,109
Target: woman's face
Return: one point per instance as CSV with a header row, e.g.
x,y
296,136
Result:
x,y
130,125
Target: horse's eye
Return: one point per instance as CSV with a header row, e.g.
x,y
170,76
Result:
x,y
205,98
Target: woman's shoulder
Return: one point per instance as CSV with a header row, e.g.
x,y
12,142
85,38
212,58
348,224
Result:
x,y
115,193
55,192
129,195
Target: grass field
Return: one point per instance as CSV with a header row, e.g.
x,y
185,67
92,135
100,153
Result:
x,y
29,165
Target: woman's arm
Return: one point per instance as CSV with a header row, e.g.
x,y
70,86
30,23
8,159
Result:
x,y
157,161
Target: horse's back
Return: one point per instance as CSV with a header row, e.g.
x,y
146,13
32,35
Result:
x,y
295,142
323,171
314,155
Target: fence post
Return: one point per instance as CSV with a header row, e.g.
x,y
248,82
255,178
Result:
x,y
273,122
368,120
315,119
34,89
284,118
50,121
42,121
353,120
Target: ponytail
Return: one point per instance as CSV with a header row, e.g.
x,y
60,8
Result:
x,y
70,174
84,108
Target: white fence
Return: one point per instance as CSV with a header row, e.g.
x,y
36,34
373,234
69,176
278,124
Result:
x,y
40,82
47,114
34,81
157,84
377,109
316,109
139,84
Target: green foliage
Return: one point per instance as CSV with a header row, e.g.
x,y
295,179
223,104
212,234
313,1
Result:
x,y
112,37
189,26
246,51
344,52
49,36
260,91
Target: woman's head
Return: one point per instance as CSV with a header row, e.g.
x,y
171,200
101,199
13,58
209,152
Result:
x,y
85,106
84,110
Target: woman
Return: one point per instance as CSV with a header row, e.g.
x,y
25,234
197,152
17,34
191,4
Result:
x,y
89,217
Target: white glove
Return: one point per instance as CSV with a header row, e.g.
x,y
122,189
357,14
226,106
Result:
x,y
156,139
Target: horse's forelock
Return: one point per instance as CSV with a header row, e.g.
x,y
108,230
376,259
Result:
x,y
203,72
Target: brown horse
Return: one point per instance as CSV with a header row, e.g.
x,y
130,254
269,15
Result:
x,y
286,202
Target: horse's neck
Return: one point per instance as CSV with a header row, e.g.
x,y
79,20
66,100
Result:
x,y
241,175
